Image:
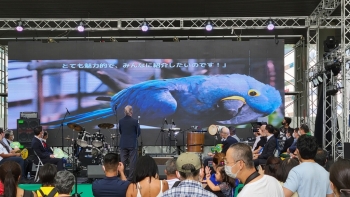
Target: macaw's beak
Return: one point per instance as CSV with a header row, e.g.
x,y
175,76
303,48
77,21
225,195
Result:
x,y
234,98
231,106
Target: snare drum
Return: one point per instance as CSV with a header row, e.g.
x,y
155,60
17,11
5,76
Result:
x,y
98,140
84,139
195,142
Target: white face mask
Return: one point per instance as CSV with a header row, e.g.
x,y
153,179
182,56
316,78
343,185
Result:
x,y
228,171
299,133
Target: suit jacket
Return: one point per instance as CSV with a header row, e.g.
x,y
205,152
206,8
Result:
x,y
37,146
287,144
269,148
227,143
129,129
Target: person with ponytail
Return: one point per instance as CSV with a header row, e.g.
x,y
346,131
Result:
x,y
339,175
10,174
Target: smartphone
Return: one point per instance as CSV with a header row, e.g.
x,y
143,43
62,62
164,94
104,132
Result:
x,y
262,166
210,164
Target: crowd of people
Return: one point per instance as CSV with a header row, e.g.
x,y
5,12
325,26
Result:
x,y
239,170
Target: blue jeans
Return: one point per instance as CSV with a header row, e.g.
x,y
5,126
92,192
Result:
x,y
18,160
131,154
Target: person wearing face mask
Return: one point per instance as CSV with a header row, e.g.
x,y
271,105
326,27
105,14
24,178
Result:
x,y
304,130
285,126
289,141
239,164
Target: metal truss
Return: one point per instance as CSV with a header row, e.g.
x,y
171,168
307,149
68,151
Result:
x,y
323,10
155,23
3,85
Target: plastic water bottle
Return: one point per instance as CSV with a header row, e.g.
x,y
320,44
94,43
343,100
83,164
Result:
x,y
28,175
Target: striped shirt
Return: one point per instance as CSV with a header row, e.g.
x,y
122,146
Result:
x,y
188,188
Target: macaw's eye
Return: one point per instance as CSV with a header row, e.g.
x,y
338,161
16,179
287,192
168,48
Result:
x,y
253,93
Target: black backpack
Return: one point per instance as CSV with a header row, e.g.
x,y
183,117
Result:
x,y
51,194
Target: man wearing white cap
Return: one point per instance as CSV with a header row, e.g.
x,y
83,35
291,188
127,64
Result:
x,y
188,167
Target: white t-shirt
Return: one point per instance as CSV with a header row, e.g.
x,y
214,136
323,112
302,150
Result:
x,y
267,186
309,179
171,182
3,150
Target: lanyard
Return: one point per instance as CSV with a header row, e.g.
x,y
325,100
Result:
x,y
251,177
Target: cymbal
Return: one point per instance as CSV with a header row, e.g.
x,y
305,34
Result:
x,y
67,138
106,125
75,127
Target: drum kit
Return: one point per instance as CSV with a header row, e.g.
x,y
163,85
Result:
x,y
90,146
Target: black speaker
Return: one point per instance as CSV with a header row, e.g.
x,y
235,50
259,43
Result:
x,y
25,129
95,172
346,150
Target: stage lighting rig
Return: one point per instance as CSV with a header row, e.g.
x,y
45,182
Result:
x,y
144,26
330,43
81,27
332,89
334,66
209,26
19,27
270,26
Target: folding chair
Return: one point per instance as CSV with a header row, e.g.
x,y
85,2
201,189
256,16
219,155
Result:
x,y
37,166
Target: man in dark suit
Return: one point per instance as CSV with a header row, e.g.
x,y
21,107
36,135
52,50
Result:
x,y
129,129
289,141
43,154
226,139
269,147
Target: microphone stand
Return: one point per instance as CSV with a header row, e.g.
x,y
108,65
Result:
x,y
75,173
64,118
138,121
116,129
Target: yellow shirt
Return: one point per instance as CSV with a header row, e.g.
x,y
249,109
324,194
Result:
x,y
45,190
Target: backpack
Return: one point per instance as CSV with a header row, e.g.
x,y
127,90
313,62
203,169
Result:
x,y
51,194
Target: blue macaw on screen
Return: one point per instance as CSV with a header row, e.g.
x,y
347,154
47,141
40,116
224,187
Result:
x,y
196,100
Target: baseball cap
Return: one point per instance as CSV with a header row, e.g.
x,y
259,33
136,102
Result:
x,y
188,158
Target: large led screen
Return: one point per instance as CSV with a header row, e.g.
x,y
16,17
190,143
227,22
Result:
x,y
186,92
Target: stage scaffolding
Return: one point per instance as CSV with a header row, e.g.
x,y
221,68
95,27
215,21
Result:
x,y
3,86
319,19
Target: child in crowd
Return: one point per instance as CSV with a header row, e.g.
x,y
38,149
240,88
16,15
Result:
x,y
226,184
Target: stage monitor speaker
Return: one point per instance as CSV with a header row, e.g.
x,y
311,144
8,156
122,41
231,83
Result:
x,y
25,129
95,172
161,160
346,150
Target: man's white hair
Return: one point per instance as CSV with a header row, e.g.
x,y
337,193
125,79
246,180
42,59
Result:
x,y
128,110
225,130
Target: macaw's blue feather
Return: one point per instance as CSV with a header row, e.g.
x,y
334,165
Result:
x,y
195,100
200,100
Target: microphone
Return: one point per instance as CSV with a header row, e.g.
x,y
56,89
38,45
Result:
x,y
138,119
172,121
166,122
67,111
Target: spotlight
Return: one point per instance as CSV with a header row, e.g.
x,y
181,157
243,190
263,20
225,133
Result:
x,y
209,27
270,26
332,90
81,27
319,77
330,43
144,26
334,66
19,26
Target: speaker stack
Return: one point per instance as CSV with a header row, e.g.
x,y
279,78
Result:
x,y
25,127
